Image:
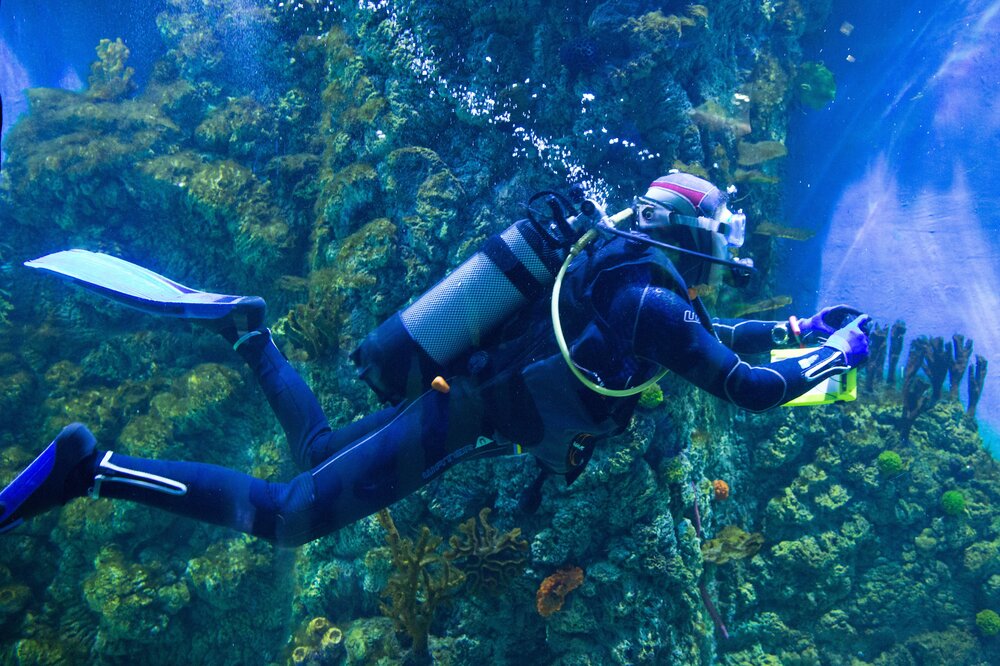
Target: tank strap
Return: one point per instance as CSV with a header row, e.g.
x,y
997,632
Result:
x,y
501,255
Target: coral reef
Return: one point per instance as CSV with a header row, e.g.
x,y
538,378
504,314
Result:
x,y
133,601
337,159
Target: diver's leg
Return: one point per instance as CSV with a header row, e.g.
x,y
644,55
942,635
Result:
x,y
421,442
426,438
293,402
309,435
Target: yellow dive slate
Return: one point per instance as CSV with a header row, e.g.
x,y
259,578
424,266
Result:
x,y
841,388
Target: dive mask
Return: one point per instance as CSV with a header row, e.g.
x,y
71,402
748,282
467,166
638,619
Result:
x,y
653,216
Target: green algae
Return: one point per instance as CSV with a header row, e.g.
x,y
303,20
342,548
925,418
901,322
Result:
x,y
815,85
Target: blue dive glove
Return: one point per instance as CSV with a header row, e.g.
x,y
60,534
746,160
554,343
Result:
x,y
828,320
852,340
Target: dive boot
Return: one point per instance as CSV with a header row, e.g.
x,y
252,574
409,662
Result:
x,y
52,479
244,321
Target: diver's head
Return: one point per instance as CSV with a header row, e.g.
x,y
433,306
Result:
x,y
690,212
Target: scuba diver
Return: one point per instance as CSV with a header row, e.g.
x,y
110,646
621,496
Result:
x,y
540,342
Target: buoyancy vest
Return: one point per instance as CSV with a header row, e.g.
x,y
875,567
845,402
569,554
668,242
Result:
x,y
532,397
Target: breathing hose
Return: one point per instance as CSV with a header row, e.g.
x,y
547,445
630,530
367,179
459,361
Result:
x,y
577,248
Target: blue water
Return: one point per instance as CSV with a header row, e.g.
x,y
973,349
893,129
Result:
x,y
54,41
898,175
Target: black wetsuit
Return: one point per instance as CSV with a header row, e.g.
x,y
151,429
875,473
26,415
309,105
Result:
x,y
628,315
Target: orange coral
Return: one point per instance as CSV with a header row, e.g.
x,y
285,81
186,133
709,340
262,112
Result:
x,y
553,590
721,489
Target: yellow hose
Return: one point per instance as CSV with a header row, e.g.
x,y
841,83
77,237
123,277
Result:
x,y
577,248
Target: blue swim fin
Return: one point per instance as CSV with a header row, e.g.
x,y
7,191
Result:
x,y
141,288
47,482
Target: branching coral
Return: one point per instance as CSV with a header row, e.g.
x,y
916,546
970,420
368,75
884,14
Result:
x,y
961,352
896,335
977,377
489,557
938,360
937,363
877,346
915,399
422,579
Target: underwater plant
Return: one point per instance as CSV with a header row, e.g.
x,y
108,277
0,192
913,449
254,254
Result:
x,y
889,463
5,308
988,622
953,503
751,154
651,398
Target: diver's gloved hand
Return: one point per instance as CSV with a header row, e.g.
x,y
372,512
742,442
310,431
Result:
x,y
852,340
828,320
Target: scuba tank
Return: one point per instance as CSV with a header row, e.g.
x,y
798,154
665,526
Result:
x,y
401,357
527,261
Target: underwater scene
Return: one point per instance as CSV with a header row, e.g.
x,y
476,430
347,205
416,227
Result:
x,y
596,332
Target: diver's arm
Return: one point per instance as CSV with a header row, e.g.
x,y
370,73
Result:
x,y
748,336
667,331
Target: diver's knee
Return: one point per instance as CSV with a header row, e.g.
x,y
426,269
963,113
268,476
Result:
x,y
291,514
